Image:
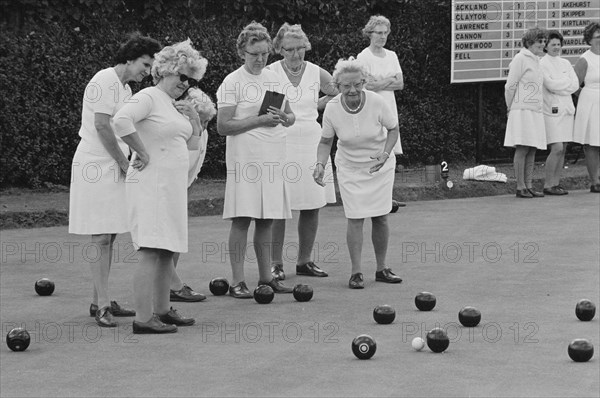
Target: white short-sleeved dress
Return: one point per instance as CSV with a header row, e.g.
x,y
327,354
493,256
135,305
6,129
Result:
x,y
255,159
361,135
197,158
157,195
560,81
303,140
379,68
523,95
97,194
587,119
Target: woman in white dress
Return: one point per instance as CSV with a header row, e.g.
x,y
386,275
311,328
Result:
x,y
367,132
385,73
161,131
303,81
587,119
97,194
255,157
525,128
206,109
560,81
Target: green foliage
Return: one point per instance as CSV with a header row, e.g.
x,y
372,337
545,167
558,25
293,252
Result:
x,y
50,49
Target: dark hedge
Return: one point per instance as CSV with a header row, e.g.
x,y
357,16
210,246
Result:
x,y
50,49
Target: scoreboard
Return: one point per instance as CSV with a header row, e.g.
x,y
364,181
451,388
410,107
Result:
x,y
486,35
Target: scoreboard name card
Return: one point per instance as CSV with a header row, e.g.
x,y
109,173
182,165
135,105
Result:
x,y
486,35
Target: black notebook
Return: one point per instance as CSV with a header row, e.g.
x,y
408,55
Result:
x,y
272,98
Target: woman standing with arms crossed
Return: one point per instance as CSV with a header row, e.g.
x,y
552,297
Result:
x,y
366,131
385,73
560,81
161,131
255,156
302,81
587,119
525,129
97,201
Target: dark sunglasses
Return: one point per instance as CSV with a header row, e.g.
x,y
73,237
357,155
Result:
x,y
191,82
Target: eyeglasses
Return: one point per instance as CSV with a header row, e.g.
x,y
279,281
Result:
x,y
293,50
257,55
357,86
191,82
380,33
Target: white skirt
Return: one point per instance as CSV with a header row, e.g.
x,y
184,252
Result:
x,y
97,202
255,184
301,153
365,194
587,121
526,128
398,147
559,128
157,200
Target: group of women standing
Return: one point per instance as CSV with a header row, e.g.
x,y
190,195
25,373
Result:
x,y
270,159
278,156
271,167
163,126
541,111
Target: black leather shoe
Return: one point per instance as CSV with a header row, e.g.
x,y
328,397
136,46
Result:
x,y
554,191
386,275
535,194
187,295
524,193
595,188
173,318
356,281
240,291
153,326
104,318
310,269
117,310
396,205
277,286
562,189
277,271
93,309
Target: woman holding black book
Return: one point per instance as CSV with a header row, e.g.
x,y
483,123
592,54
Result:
x,y
255,156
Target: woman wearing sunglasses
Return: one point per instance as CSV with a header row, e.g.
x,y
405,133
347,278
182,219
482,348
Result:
x,y
161,131
97,194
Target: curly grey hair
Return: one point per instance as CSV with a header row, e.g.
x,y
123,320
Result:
x,y
202,103
373,22
348,66
171,59
252,33
292,31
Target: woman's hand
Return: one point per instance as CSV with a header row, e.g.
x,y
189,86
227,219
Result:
x,y
186,108
271,119
381,159
123,167
319,173
141,161
283,119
